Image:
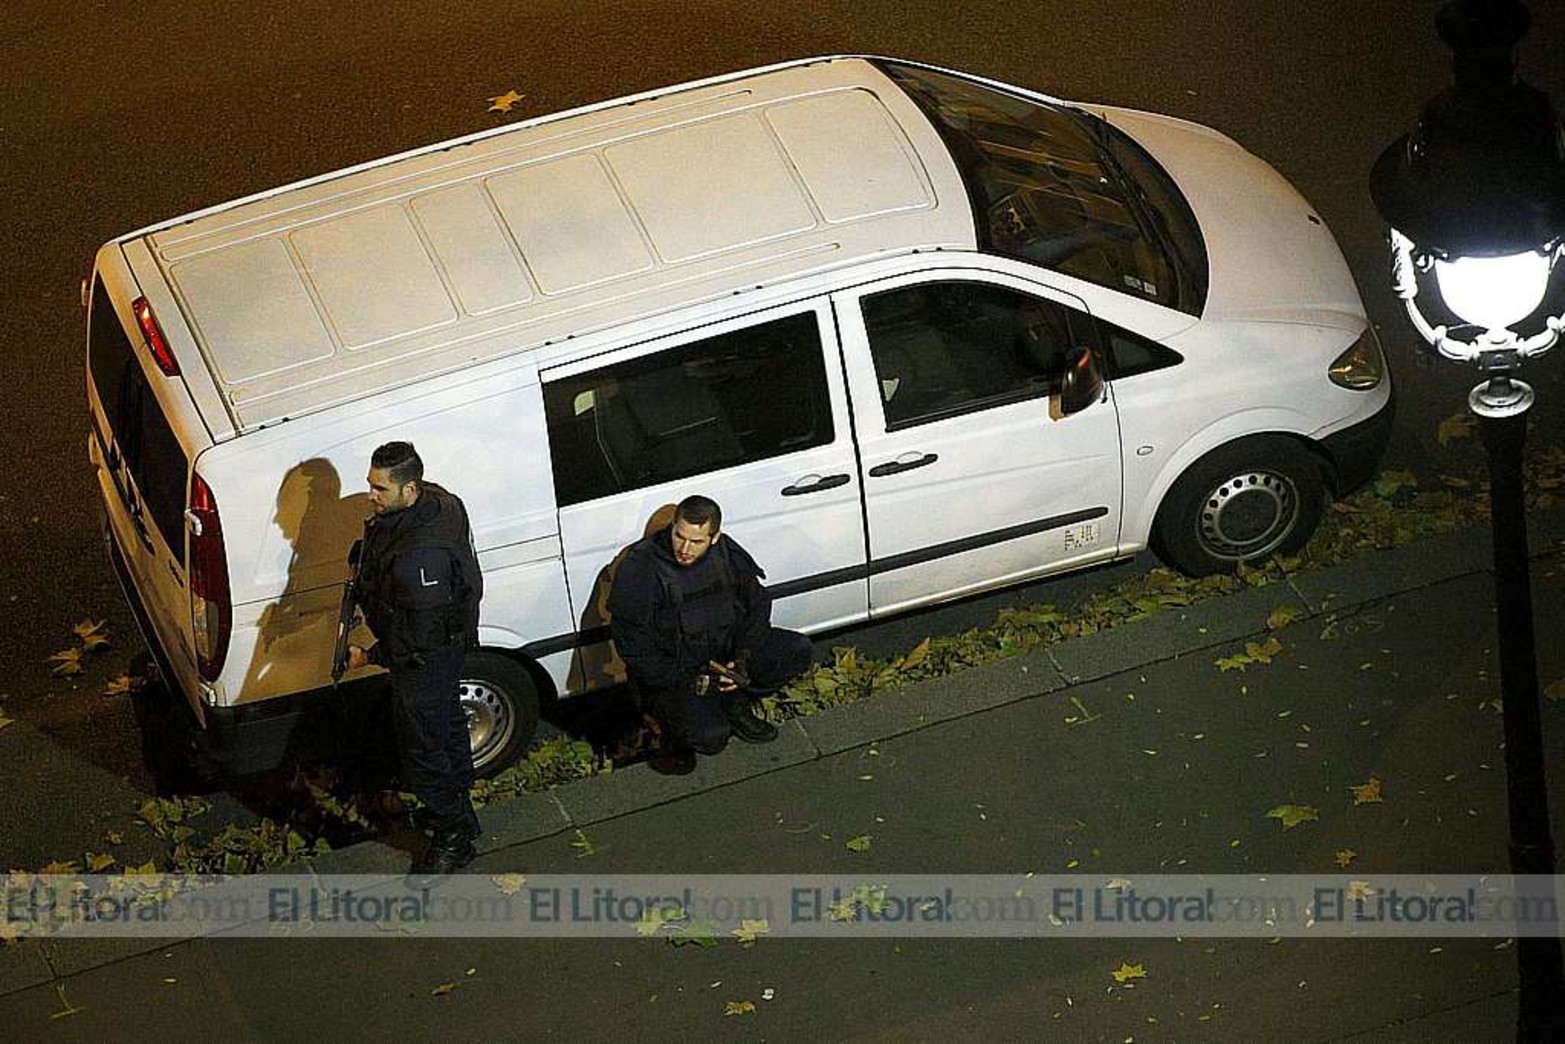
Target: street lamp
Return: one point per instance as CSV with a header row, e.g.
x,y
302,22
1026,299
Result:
x,y
1475,198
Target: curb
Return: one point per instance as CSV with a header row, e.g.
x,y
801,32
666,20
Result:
x,y
1172,633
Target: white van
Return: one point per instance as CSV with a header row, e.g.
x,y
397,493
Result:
x,y
920,334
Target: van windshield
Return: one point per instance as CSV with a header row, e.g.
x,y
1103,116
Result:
x,y
136,425
1064,189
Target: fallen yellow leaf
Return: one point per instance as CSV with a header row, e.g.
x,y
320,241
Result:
x,y
1127,971
1293,815
1282,616
66,663
748,931
509,884
505,102
1367,793
92,629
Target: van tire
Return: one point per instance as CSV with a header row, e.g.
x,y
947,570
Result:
x,y
500,697
170,748
1243,502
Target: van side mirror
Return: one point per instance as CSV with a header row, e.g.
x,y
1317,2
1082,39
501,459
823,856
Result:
x,y
1080,386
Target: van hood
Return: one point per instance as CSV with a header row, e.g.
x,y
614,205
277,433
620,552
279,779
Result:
x,y
1271,256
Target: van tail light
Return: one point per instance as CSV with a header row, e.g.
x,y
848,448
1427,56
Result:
x,y
211,611
154,334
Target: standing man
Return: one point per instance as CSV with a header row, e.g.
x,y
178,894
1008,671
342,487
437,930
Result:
x,y
419,586
693,625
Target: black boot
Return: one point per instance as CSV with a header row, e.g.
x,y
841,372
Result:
x,y
745,722
673,761
450,851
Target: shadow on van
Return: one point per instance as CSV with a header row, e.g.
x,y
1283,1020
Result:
x,y
605,712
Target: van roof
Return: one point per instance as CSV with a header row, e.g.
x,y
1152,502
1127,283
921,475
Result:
x,y
511,240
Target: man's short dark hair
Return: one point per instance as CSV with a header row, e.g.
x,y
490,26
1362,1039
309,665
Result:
x,y
699,510
401,460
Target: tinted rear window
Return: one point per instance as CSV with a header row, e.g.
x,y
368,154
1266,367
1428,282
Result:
x,y
137,427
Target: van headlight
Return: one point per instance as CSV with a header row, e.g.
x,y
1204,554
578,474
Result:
x,y
1361,366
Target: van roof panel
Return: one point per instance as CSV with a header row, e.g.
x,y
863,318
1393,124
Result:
x,y
879,175
571,225
349,284
275,318
473,250
751,197
373,276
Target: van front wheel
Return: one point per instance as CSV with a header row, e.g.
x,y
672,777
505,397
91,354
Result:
x,y
1259,496
500,700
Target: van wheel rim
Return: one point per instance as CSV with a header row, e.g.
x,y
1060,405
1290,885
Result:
x,y
489,718
1249,515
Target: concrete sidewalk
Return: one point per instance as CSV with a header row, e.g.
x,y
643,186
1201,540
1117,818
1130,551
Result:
x,y
1391,673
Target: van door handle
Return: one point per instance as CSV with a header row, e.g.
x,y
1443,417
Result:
x,y
906,462
814,484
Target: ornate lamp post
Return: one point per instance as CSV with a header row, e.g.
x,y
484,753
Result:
x,y
1475,198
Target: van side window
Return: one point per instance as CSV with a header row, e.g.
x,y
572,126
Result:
x,y
1130,354
948,348
715,403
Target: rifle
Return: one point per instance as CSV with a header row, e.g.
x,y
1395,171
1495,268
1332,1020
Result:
x,y
346,617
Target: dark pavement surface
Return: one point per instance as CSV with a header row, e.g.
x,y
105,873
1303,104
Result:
x,y
990,770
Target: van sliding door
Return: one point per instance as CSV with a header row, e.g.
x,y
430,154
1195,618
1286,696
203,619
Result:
x,y
750,412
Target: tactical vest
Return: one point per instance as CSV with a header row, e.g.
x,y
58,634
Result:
x,y
703,599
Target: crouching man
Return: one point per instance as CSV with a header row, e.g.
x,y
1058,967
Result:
x,y
693,625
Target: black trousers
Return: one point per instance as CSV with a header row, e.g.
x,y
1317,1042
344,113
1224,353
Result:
x,y
699,722
432,741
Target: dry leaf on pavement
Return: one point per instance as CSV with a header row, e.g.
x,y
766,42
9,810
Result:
x,y
505,102
1127,971
1293,815
1367,793
65,663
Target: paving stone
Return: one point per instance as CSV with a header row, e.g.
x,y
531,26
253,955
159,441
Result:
x,y
638,787
1171,633
374,858
72,955
23,965
171,993
1381,574
940,699
525,817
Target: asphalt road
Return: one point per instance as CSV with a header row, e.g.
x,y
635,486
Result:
x,y
114,116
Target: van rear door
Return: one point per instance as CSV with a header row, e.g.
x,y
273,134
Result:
x,y
143,468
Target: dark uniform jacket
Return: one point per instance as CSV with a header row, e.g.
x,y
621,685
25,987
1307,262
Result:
x,y
668,620
419,583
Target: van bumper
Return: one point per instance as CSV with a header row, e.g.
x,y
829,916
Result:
x,y
323,723
259,737
1355,451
